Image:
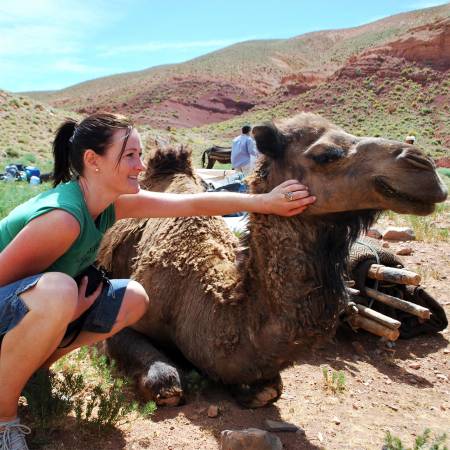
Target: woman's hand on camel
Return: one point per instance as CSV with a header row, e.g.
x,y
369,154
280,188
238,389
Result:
x,y
288,199
85,301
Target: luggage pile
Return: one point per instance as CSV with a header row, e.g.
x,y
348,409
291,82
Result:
x,y
20,172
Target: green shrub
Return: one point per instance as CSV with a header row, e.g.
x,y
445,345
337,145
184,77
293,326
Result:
x,y
102,400
334,380
12,152
29,158
422,442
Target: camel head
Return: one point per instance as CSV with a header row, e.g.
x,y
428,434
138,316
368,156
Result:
x,y
345,172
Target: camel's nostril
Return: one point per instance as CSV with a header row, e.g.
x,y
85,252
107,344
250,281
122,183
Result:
x,y
418,160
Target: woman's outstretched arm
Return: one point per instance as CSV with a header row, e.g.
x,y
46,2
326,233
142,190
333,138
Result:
x,y
160,204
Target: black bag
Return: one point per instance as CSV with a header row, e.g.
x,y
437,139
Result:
x,y
95,277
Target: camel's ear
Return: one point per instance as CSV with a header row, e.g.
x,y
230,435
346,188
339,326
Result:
x,y
270,140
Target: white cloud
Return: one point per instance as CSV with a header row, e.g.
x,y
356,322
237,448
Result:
x,y
18,41
57,12
52,27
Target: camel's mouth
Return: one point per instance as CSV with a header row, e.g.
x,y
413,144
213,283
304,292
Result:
x,y
408,203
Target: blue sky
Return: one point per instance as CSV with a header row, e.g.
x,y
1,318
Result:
x,y
52,44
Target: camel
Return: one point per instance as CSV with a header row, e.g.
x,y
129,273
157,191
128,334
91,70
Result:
x,y
242,315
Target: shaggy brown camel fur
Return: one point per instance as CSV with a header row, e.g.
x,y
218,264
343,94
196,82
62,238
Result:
x,y
242,317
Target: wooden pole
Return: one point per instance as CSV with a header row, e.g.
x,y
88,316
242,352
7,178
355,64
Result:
x,y
398,303
393,275
358,321
378,317
352,291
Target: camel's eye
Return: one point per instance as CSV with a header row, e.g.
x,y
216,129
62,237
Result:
x,y
328,156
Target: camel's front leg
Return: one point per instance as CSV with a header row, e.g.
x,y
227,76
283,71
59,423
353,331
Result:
x,y
156,376
258,394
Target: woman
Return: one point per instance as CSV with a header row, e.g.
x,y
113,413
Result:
x,y
50,239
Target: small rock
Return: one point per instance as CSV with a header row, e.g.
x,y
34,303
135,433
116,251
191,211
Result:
x,y
359,348
320,437
442,377
336,420
249,439
399,234
443,408
394,408
213,411
414,365
385,245
404,251
275,425
285,396
374,233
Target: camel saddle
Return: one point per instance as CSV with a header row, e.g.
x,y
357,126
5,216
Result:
x,y
367,251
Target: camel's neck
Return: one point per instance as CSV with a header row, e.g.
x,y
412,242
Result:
x,y
295,267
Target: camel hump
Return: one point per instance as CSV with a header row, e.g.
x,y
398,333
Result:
x,y
170,160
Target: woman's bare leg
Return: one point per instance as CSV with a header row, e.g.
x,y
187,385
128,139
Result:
x,y
52,303
134,305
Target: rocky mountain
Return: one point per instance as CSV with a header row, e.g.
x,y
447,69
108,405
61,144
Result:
x,y
254,74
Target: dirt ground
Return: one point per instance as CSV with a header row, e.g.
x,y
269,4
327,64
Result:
x,y
403,389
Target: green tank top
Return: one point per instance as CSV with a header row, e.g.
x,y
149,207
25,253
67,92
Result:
x,y
68,197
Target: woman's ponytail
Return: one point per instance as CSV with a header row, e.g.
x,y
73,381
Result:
x,y
95,132
62,149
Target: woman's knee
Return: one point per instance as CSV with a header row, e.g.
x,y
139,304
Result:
x,y
135,303
55,294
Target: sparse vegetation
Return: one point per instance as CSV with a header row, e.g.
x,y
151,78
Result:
x,y
195,382
84,384
424,441
15,192
334,381
426,228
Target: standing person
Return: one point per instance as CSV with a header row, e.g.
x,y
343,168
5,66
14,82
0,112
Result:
x,y
53,237
244,152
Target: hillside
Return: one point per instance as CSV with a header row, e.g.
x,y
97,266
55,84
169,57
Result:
x,y
27,129
389,78
416,101
241,77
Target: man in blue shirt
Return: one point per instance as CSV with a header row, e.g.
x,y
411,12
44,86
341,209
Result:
x,y
244,152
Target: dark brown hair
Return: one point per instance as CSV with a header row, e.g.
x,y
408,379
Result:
x,y
73,139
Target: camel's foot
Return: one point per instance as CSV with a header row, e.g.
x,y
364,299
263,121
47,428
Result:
x,y
161,383
156,376
259,394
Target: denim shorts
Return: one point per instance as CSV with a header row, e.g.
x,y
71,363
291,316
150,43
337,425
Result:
x,y
99,318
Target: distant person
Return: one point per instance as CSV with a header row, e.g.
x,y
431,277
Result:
x,y
244,152
48,241
410,140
